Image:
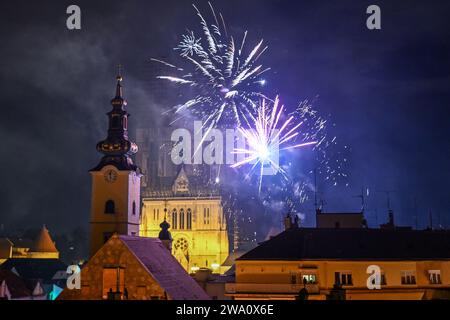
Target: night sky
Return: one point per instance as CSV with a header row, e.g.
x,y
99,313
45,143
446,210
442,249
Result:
x,y
386,90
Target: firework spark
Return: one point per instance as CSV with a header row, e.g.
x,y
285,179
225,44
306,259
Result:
x,y
223,75
330,157
267,138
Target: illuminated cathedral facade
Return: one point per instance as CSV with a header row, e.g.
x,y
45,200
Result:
x,y
185,198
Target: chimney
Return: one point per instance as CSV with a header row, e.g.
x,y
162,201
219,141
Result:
x,y
287,222
390,224
296,222
391,218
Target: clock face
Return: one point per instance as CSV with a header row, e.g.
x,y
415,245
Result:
x,y
110,175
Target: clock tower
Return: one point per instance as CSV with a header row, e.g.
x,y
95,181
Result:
x,y
115,204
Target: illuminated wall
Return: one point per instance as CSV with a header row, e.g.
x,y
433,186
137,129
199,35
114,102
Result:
x,y
114,267
198,229
284,279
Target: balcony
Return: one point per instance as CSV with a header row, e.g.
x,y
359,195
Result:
x,y
271,288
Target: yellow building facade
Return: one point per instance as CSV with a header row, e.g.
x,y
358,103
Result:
x,y
332,264
198,225
42,247
284,280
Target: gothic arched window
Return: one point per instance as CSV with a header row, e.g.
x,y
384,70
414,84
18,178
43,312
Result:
x,y
110,207
206,216
174,219
189,219
134,208
182,219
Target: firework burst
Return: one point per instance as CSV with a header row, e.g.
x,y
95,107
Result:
x,y
267,137
223,74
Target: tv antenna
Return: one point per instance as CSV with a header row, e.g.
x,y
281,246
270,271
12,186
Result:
x,y
416,213
388,196
364,193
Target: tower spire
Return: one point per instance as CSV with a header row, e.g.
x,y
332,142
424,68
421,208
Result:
x,y
119,93
118,100
117,148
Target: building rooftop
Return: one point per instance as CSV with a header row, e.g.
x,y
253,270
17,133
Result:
x,y
17,286
180,186
44,242
164,268
19,242
38,269
353,244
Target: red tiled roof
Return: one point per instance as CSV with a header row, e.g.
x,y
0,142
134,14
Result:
x,y
164,268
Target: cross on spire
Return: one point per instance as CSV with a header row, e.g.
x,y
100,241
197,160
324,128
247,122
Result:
x,y
119,80
119,72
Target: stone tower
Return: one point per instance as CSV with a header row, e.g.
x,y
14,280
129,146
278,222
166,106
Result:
x,y
115,204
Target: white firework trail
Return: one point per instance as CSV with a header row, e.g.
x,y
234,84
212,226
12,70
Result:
x,y
190,45
225,79
266,137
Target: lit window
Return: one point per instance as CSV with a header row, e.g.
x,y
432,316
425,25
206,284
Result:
x,y
215,266
309,278
434,276
408,277
113,282
194,269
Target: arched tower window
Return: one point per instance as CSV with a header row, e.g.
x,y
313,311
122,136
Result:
x,y
206,216
174,219
182,219
125,123
134,208
110,207
189,219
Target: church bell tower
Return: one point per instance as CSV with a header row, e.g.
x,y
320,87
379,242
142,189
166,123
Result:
x,y
115,204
